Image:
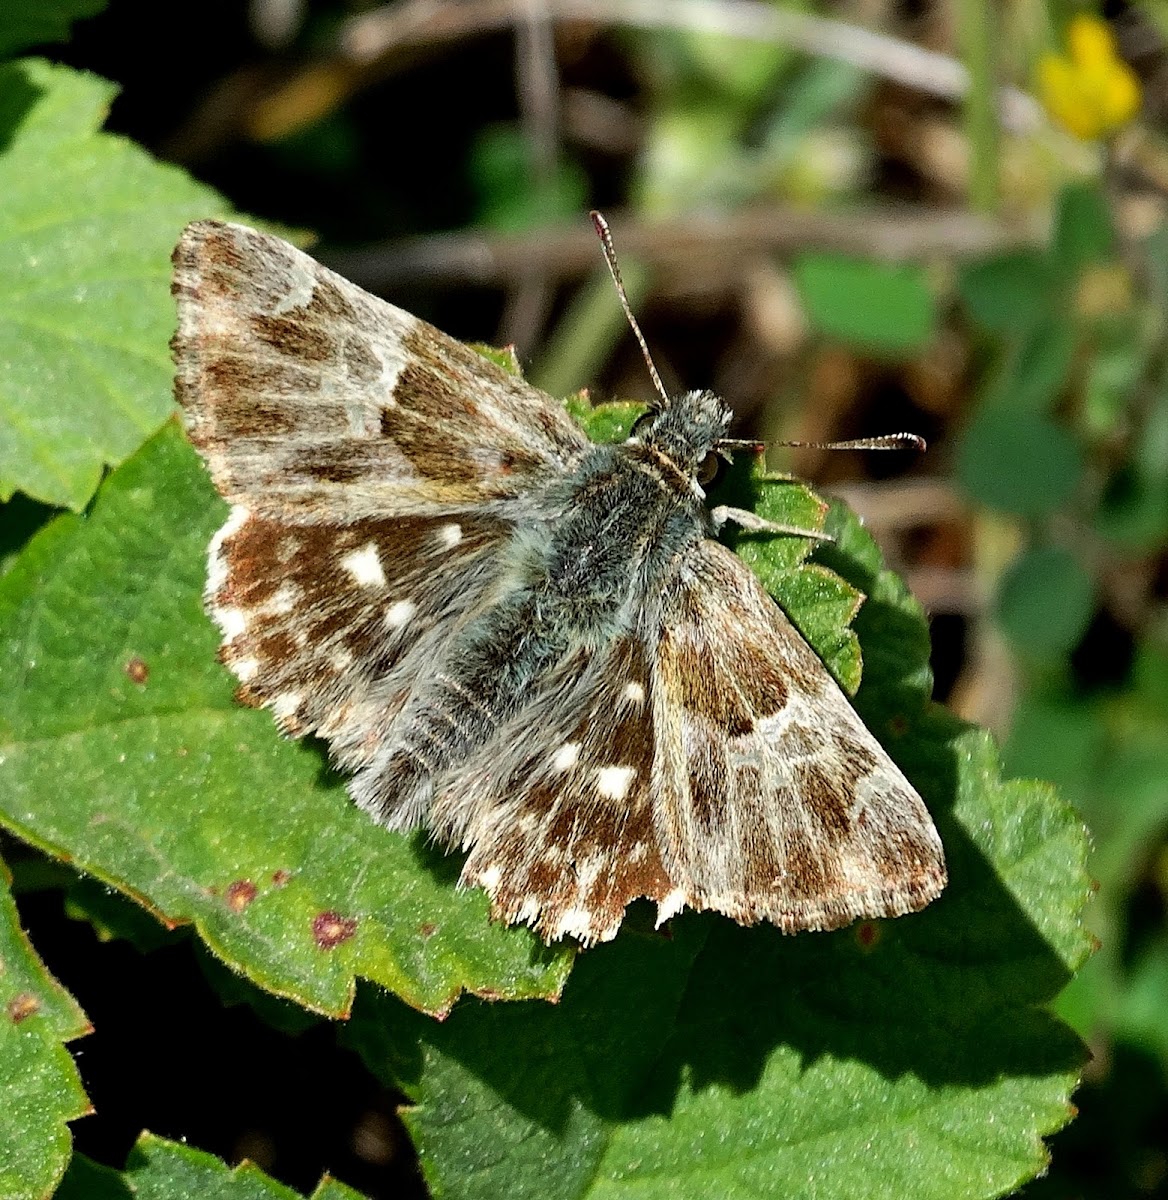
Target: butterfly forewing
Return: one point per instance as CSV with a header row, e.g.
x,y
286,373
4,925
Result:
x,y
774,800
372,462
312,399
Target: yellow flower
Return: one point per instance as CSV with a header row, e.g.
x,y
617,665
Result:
x,y
1089,90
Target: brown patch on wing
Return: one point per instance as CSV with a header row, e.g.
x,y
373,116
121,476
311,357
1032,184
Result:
x,y
729,700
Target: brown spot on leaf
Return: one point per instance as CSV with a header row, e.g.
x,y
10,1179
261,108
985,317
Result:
x,y
330,929
239,894
22,1005
867,934
281,877
137,670
898,725
428,929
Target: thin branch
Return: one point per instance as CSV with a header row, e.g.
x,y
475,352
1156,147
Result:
x,y
537,84
720,245
413,22
538,87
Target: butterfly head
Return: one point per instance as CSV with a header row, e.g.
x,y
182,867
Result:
x,y
687,431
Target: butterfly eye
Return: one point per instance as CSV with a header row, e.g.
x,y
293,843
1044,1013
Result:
x,y
708,468
642,423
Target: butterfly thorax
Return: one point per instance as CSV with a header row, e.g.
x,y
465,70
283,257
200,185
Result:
x,y
589,571
629,512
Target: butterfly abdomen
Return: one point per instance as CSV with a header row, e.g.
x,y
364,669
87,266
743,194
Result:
x,y
571,589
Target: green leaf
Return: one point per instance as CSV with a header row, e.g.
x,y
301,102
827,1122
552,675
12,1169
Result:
x,y
605,423
87,1180
877,306
1083,232
112,916
121,746
821,89
820,604
1018,461
160,1170
1009,292
1133,510
1035,367
910,1058
504,357
20,518
1045,602
33,22
1060,738
511,196
40,1084
87,222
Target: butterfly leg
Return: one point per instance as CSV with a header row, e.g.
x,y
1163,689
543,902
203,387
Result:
x,y
753,523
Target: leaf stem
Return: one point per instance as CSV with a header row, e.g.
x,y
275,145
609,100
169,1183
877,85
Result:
x,y
976,24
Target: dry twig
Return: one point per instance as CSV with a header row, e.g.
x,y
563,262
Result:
x,y
713,246
396,27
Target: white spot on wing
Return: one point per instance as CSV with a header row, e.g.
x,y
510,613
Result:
x,y
232,621
398,613
245,669
670,905
284,600
365,566
613,782
450,535
489,878
286,704
566,756
216,563
634,692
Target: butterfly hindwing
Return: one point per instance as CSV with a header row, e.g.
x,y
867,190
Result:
x,y
558,810
311,399
330,625
774,801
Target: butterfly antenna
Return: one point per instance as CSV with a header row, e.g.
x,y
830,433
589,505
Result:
x,y
887,441
605,236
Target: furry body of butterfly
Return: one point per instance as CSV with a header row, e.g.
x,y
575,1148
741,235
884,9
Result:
x,y
524,642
